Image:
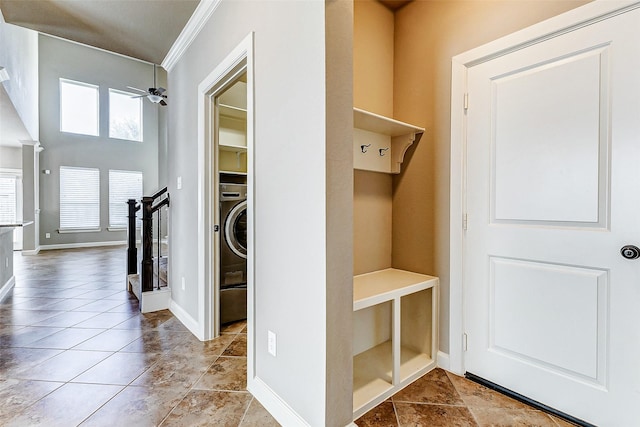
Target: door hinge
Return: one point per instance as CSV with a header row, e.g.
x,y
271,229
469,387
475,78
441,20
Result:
x,y
216,228
466,101
465,221
465,344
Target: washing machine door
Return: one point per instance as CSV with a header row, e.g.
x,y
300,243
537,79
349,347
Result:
x,y
235,229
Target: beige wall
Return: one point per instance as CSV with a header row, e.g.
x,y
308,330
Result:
x,y
427,35
372,91
373,57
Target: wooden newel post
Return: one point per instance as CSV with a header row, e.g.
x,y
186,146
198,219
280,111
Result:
x,y
132,251
146,275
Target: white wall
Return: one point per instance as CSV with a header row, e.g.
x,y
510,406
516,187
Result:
x,y
19,55
11,157
300,277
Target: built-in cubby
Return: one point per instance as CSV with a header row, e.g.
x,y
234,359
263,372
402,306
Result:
x,y
394,333
395,311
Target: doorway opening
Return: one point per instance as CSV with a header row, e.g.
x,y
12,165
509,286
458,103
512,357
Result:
x,y
225,153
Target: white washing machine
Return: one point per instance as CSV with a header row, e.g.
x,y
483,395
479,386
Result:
x,y
233,252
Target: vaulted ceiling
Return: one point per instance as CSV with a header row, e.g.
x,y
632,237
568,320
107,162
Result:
x,y
143,29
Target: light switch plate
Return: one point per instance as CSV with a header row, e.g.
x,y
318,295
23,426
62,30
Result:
x,y
271,345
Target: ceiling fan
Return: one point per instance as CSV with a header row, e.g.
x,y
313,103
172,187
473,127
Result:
x,y
154,94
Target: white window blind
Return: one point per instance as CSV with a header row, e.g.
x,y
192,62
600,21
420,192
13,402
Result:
x,y
123,185
125,115
79,108
79,198
8,201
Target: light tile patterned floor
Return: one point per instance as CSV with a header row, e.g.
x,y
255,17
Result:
x,y
74,350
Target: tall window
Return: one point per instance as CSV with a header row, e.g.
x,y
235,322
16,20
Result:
x,y
79,199
125,116
79,108
8,199
123,185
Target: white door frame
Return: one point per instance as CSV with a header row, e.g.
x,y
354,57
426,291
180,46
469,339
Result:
x,y
556,26
238,61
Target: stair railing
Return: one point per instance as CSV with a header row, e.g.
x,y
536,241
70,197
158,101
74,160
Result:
x,y
149,207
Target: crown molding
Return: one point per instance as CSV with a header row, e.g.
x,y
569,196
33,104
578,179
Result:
x,y
200,17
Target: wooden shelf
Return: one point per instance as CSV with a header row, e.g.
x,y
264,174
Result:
x,y
380,124
231,111
233,173
384,285
234,148
376,133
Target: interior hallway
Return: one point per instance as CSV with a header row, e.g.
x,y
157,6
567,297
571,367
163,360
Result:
x,y
74,350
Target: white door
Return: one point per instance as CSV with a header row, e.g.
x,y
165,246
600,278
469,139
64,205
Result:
x,y
552,309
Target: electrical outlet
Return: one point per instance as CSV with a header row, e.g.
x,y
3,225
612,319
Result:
x,y
47,235
179,183
271,345
183,286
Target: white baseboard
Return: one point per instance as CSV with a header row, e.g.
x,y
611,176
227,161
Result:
x,y
155,300
443,361
189,322
6,288
82,245
30,252
277,407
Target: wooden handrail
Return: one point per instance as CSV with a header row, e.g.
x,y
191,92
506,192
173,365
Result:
x,y
159,193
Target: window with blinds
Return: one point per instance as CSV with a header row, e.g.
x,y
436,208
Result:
x,y
8,199
79,199
123,185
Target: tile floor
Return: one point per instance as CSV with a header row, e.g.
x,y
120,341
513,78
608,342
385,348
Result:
x,y
74,350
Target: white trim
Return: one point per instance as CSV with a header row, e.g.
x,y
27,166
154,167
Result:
x,y
11,171
243,52
189,322
553,27
155,300
82,245
442,360
6,288
78,230
31,252
200,17
278,408
456,211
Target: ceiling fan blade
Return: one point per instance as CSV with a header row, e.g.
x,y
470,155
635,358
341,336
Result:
x,y
163,103
139,90
161,90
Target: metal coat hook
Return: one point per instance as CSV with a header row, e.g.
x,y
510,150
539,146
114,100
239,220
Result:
x,y
382,151
364,147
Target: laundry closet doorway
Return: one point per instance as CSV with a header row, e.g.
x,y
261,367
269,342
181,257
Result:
x,y
225,214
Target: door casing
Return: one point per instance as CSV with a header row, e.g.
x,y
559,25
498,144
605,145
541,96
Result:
x,y
237,62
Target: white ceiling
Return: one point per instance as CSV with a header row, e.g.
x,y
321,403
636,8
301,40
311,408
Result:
x,y
143,29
